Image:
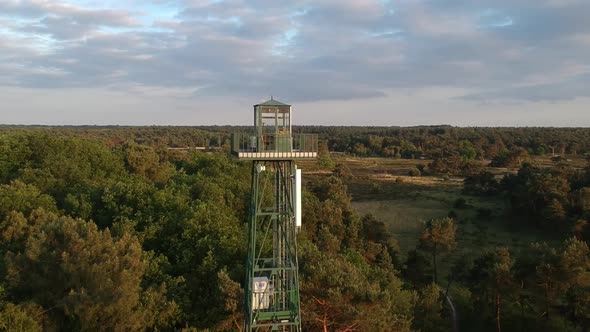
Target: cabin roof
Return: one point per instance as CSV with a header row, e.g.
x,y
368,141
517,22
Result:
x,y
272,102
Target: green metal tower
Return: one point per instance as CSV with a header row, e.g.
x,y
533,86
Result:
x,y
272,281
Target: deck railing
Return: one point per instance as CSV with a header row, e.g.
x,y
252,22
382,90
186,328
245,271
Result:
x,y
250,142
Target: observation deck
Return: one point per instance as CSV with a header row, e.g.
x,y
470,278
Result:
x,y
272,137
274,147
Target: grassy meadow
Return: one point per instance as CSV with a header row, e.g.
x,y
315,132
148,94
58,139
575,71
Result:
x,y
382,187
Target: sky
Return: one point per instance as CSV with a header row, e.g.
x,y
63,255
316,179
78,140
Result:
x,y
338,62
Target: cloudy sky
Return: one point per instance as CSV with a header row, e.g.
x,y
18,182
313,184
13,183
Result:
x,y
342,62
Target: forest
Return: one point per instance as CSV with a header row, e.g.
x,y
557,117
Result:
x,y
135,229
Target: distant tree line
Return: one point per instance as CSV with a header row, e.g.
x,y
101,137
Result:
x,y
430,142
436,142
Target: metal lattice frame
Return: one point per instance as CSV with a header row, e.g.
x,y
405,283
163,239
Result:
x,y
272,250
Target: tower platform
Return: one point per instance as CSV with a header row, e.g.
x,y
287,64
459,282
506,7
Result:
x,y
253,146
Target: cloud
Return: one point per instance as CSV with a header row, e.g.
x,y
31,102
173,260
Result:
x,y
40,8
570,89
305,51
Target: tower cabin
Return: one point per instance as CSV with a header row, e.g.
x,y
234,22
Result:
x,y
273,137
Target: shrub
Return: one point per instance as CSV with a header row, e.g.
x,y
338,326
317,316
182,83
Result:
x,y
510,158
483,183
414,172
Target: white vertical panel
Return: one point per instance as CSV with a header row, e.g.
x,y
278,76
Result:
x,y
298,198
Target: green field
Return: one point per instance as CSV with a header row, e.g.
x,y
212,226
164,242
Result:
x,y
405,203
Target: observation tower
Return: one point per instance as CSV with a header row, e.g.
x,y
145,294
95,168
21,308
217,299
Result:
x,y
272,281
